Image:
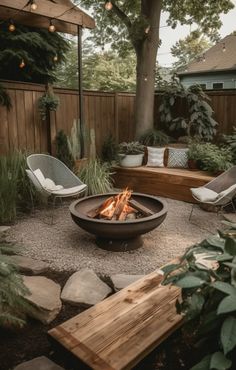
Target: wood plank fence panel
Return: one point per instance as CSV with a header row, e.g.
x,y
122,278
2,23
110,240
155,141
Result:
x,y
105,112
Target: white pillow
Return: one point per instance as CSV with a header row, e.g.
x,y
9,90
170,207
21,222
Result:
x,y
39,175
155,157
50,185
204,194
227,191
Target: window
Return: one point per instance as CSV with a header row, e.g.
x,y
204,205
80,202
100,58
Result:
x,y
203,86
217,85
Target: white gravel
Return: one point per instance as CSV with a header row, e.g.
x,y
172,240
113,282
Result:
x,y
67,247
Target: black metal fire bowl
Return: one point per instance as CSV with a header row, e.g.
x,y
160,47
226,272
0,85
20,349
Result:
x,y
118,235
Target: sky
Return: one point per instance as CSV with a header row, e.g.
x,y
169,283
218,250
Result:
x,y
170,36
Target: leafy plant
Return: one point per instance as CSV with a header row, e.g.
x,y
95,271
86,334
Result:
x,y
196,151
5,99
109,149
47,102
207,275
198,120
62,149
96,175
154,137
214,158
13,306
230,140
16,191
133,147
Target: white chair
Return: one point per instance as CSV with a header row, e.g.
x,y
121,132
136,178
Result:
x,y
219,192
52,178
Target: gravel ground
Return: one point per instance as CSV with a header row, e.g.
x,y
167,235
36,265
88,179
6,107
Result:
x,y
67,247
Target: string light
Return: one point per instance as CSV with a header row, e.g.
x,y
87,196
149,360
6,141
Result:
x,y
51,27
55,58
147,29
22,64
11,26
33,5
108,5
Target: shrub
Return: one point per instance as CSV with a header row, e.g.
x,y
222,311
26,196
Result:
x,y
96,175
109,149
230,140
154,137
197,121
207,276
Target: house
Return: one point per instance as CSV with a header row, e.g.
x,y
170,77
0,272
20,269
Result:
x,y
215,69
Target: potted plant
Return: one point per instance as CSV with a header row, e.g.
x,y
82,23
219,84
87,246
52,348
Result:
x,y
194,155
131,154
215,159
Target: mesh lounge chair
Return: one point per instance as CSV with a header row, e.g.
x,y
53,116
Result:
x,y
219,192
52,178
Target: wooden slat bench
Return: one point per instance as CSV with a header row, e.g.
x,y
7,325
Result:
x,y
172,183
118,332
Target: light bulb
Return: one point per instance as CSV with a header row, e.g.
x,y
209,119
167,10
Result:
x,y
33,5
11,26
108,5
51,27
55,58
147,29
22,64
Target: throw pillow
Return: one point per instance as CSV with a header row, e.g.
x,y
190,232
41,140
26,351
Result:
x,y
204,194
38,173
50,185
178,157
155,157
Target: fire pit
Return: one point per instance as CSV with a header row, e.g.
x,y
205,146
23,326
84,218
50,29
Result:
x,y
120,229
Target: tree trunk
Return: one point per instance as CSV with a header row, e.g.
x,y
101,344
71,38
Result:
x,y
146,52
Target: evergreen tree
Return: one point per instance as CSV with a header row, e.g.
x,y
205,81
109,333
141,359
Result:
x,y
30,54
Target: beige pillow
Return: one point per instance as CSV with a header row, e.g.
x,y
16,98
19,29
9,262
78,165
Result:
x,y
155,157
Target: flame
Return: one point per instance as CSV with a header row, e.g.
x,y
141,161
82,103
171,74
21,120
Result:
x,y
117,207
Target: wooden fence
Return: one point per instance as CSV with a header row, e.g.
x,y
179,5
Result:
x,y
107,113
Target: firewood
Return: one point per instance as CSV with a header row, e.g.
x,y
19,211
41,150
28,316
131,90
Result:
x,y
141,208
96,211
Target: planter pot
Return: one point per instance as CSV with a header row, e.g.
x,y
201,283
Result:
x,y
131,160
192,164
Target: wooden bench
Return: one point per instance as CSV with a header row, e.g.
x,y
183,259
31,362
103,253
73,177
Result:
x,y
172,183
118,332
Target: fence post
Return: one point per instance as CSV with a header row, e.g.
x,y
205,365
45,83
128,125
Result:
x,y
116,96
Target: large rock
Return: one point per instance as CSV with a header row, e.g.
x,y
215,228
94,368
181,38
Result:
x,y
29,265
121,281
38,363
85,287
45,296
4,229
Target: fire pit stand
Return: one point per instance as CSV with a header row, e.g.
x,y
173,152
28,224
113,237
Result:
x,y
118,235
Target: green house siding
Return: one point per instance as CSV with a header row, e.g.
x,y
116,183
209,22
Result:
x,y
228,80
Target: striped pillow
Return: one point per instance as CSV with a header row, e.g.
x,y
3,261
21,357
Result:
x,y
155,157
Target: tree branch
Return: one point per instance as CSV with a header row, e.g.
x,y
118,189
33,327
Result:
x,y
125,19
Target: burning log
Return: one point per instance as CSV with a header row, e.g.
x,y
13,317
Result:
x,y
139,207
119,207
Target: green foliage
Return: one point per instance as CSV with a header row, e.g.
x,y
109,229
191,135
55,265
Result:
x,y
16,191
154,137
207,276
213,158
188,49
62,149
37,47
133,147
230,141
47,102
109,149
13,306
198,119
96,175
5,99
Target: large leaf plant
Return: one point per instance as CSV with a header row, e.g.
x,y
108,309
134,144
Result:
x,y
207,275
